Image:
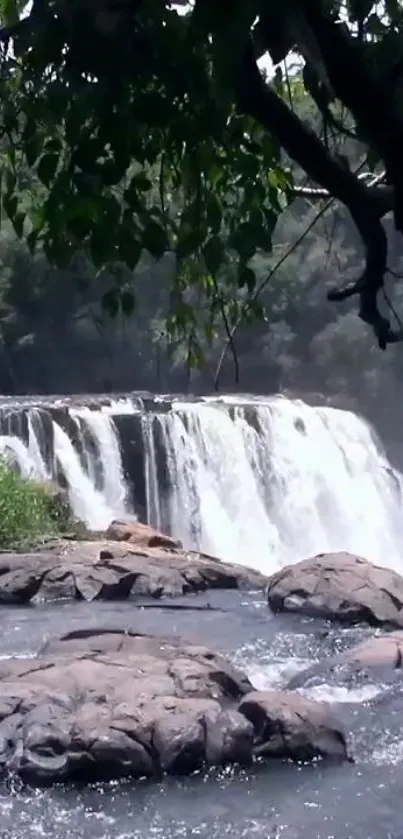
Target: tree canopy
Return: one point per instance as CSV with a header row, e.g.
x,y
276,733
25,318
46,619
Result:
x,y
127,127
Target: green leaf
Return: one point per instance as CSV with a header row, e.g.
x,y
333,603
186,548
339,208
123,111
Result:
x,y
18,223
214,255
214,213
47,168
155,239
256,309
141,182
10,204
243,241
249,165
11,181
127,302
129,248
246,278
9,12
100,246
111,302
32,239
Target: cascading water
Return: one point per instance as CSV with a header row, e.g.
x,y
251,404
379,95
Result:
x,y
151,472
34,450
87,502
279,481
260,482
215,499
101,426
15,451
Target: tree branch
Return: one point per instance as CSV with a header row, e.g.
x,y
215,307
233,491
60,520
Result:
x,y
257,99
357,84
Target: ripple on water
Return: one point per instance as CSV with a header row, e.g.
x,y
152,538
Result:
x,y
279,801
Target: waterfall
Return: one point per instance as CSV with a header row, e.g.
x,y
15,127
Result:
x,y
15,451
40,469
265,484
87,502
261,482
215,500
101,426
151,473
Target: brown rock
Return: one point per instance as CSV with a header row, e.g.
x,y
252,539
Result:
x,y
106,570
379,658
384,651
339,587
140,534
107,704
288,725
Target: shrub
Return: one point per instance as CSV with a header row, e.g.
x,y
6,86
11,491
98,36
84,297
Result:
x,y
25,516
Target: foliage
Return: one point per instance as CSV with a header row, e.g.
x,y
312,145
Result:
x,y
129,128
25,515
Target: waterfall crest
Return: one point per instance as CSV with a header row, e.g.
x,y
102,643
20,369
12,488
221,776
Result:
x,y
260,482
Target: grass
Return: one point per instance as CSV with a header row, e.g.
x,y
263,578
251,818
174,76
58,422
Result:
x,y
28,513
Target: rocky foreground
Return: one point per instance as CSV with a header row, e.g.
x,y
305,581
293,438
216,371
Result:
x,y
132,561
98,704
106,704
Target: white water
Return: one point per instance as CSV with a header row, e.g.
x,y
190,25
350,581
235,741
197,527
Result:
x,y
34,449
151,472
87,503
103,430
262,483
13,449
300,481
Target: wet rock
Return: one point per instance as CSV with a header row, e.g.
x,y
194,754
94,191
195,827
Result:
x,y
291,726
140,534
339,587
107,570
96,705
378,659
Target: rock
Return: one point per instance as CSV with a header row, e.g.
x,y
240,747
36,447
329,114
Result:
x,y
106,570
379,658
96,705
339,587
140,534
291,726
99,704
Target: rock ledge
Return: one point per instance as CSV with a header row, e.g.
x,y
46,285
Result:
x,y
339,587
108,570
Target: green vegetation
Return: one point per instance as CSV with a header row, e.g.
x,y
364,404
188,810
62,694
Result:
x,y
161,225
26,517
128,129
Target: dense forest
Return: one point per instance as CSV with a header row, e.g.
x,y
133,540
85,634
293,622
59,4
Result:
x,y
190,253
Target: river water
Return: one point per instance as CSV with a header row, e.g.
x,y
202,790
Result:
x,y
262,482
352,801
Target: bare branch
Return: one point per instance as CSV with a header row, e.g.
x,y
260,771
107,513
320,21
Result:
x,y
381,192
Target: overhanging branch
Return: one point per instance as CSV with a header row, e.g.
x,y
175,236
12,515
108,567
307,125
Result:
x,y
258,99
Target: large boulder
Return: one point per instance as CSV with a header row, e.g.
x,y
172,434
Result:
x,y
104,570
339,587
142,535
105,704
109,704
288,725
